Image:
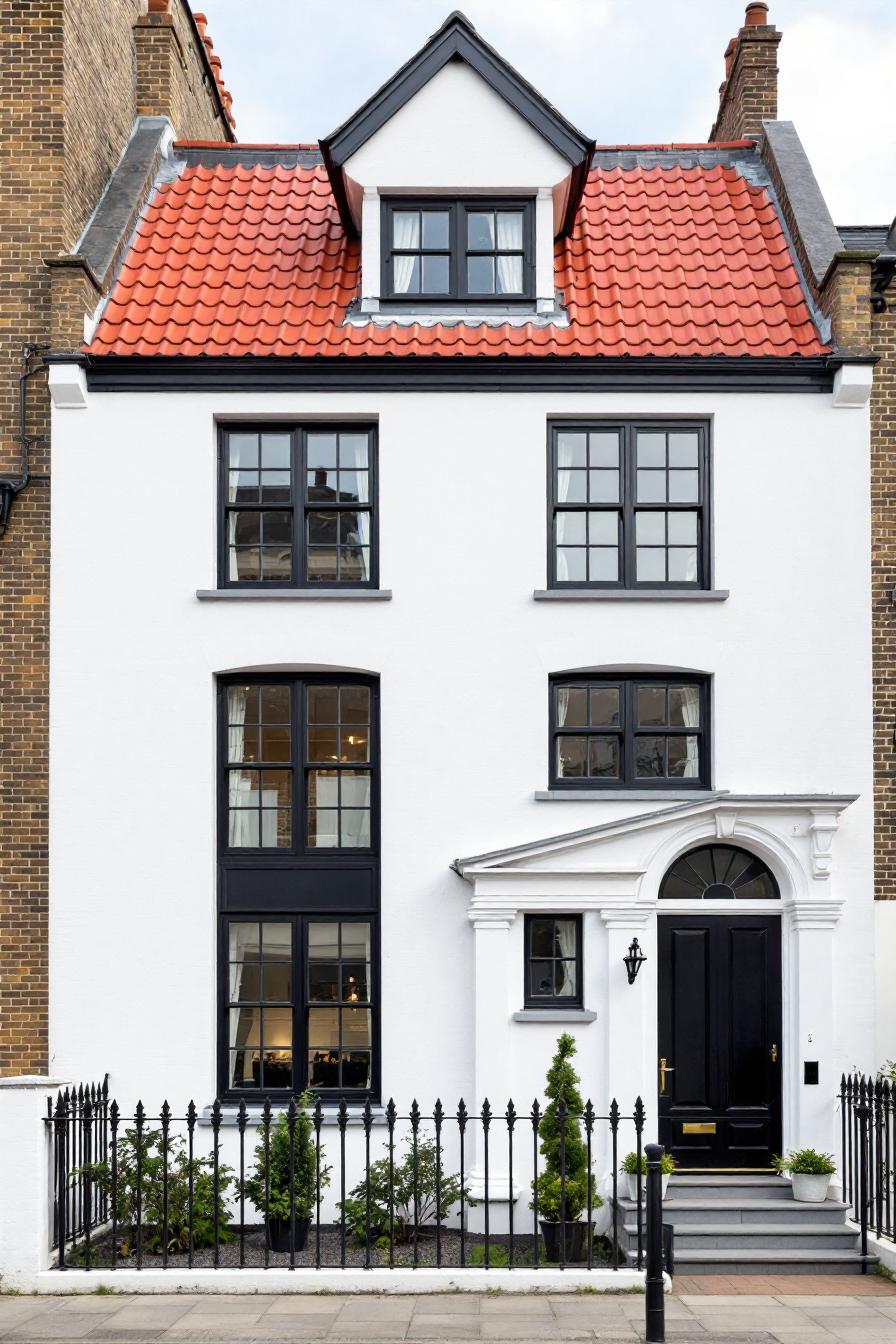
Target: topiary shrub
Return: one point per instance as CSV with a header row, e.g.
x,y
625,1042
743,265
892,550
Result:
x,y
560,1201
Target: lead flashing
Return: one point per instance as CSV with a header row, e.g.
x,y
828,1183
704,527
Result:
x,y
817,230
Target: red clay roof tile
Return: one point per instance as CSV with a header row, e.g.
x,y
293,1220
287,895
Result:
x,y
662,261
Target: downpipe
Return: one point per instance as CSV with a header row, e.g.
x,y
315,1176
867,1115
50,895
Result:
x,y
12,486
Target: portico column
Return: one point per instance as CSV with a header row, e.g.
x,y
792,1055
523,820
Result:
x,y
491,1049
631,1029
811,964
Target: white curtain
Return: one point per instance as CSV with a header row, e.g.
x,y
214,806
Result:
x,y
241,793
565,936
562,706
243,940
510,238
405,226
690,714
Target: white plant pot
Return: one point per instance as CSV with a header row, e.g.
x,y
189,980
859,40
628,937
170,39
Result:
x,y
809,1189
633,1185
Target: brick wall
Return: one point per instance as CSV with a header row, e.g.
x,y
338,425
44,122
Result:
x,y
67,102
883,587
749,94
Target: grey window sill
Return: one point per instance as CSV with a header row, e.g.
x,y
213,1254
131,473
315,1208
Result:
x,y
631,595
254,1113
555,1015
626,795
294,594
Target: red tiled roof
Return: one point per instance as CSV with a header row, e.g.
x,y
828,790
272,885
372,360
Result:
x,y
235,260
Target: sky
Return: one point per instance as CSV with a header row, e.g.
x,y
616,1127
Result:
x,y
623,71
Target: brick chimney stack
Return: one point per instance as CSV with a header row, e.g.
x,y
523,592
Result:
x,y
749,93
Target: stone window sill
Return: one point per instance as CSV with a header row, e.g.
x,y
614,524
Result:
x,y
294,594
626,795
554,1015
631,595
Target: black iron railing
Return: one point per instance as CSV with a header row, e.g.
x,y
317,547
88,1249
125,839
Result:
x,y
80,1127
313,1188
868,1153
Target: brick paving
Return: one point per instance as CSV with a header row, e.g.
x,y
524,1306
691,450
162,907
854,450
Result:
x,y
830,1315
783,1285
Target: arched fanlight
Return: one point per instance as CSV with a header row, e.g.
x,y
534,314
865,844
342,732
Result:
x,y
719,873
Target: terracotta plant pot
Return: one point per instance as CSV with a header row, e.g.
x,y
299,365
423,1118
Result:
x,y
809,1189
633,1185
278,1233
576,1247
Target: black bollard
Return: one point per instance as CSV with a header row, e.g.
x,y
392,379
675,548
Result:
x,y
656,1304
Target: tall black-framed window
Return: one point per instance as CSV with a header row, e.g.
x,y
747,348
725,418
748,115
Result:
x,y
298,506
636,731
299,1005
473,250
553,961
298,884
298,764
629,504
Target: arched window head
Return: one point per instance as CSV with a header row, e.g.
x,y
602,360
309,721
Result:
x,y
719,873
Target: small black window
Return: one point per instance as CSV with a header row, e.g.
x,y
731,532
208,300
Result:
x,y
298,507
280,1037
469,251
629,505
298,765
553,961
630,732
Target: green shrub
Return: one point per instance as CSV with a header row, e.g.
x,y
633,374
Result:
x,y
271,1196
806,1162
400,1194
152,1152
630,1164
563,1083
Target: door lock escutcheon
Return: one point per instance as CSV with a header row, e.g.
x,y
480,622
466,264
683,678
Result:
x,y
664,1069
774,1054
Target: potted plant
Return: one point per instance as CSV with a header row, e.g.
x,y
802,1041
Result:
x,y
630,1168
810,1174
563,1198
268,1187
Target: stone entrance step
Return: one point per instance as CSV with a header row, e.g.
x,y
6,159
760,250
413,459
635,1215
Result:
x,y
748,1224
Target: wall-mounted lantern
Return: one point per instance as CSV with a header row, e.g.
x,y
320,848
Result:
x,y
634,960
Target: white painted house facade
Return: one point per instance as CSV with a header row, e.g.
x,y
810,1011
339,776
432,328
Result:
x,y
483,587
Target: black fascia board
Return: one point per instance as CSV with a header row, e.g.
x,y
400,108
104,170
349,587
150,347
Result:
x,y
457,39
390,373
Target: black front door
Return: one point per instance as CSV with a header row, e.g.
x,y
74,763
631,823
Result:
x,y
720,1039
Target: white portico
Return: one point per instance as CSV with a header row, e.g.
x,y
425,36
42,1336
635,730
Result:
x,y
610,875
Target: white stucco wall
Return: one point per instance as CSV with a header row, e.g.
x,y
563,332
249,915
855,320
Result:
x,y
463,653
456,133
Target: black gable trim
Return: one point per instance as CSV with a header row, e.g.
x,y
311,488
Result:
x,y
116,373
457,39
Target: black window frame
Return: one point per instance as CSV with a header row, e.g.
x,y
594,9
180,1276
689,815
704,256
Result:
x,y
298,504
299,850
457,251
299,921
628,507
628,683
551,1001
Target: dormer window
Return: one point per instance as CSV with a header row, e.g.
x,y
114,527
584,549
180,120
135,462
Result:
x,y
465,251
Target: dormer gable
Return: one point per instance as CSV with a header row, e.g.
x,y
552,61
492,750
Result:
x,y
455,112
459,147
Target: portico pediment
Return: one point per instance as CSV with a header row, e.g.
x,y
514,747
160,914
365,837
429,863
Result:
x,y
624,858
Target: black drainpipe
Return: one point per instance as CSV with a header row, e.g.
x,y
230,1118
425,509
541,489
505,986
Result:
x,y
12,486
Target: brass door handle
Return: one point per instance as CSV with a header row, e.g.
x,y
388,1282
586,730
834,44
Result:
x,y
664,1069
774,1054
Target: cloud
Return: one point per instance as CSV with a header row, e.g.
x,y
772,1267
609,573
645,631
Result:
x,y
625,71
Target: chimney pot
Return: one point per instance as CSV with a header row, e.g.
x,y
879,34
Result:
x,y
201,23
729,56
158,6
757,13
